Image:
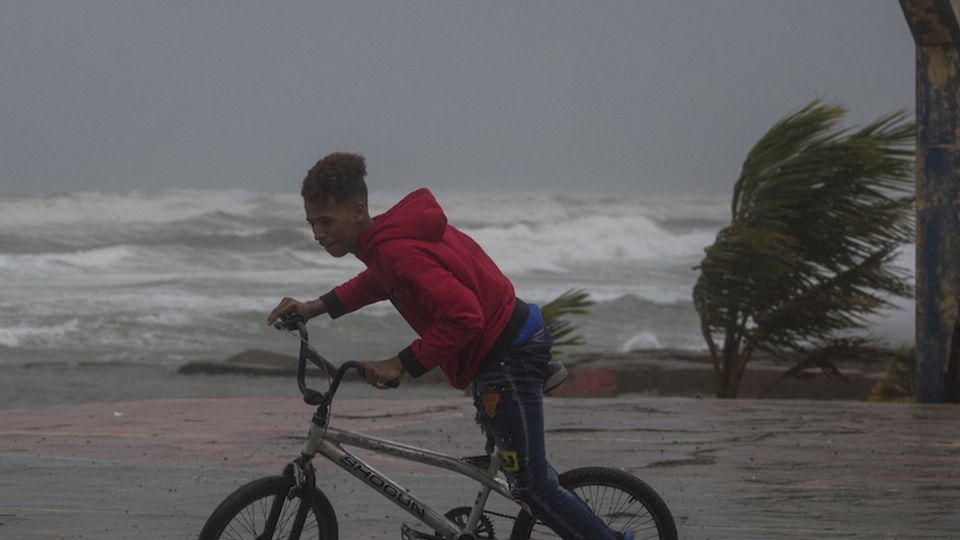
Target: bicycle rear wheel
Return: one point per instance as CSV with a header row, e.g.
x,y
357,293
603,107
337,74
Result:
x,y
621,500
244,514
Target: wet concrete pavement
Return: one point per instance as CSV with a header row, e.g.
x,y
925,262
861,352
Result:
x,y
727,469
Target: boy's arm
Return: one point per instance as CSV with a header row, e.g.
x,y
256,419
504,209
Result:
x,y
362,290
455,310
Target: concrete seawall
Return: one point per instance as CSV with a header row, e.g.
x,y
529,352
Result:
x,y
663,373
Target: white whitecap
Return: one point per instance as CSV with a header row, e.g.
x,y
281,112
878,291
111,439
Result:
x,y
643,340
15,336
118,208
97,258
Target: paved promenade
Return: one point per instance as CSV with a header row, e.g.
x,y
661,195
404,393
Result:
x,y
727,469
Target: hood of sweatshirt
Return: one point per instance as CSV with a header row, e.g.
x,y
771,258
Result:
x,y
417,216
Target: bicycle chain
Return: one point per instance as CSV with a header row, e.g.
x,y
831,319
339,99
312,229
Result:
x,y
497,514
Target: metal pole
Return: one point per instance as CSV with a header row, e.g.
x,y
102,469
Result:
x,y
936,32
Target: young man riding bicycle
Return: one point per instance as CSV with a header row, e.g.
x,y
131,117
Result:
x,y
469,322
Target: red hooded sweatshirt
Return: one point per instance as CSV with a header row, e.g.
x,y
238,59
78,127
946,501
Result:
x,y
442,283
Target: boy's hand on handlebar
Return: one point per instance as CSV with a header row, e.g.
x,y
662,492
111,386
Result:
x,y
383,374
290,306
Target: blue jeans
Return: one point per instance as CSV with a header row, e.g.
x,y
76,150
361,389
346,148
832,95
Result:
x,y
508,396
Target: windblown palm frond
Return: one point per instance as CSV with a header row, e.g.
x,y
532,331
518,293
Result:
x,y
572,302
817,216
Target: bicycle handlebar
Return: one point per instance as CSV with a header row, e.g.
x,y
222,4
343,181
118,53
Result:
x,y
311,396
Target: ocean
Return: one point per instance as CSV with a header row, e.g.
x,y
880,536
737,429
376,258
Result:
x,y
164,279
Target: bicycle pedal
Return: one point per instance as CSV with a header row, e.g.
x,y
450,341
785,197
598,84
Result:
x,y
408,533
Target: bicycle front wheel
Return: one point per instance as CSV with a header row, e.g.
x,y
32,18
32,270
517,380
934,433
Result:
x,y
621,500
255,507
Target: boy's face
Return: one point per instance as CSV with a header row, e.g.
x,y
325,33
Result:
x,y
337,227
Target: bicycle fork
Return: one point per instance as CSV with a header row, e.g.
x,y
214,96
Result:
x,y
304,479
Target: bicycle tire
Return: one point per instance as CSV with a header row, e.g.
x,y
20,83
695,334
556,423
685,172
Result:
x,y
621,500
242,513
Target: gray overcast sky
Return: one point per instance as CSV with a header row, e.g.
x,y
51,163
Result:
x,y
603,97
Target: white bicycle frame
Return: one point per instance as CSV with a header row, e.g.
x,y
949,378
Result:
x,y
328,442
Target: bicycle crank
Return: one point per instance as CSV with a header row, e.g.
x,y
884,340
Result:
x,y
408,533
484,528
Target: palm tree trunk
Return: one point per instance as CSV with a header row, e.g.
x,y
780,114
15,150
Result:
x,y
729,359
712,348
741,362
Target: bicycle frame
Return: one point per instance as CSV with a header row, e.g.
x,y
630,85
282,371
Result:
x,y
328,442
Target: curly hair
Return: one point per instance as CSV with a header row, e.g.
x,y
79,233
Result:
x,y
338,176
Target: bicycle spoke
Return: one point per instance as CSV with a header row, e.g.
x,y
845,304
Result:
x,y
251,523
285,516
244,524
620,510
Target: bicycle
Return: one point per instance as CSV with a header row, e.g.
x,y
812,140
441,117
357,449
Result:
x,y
292,506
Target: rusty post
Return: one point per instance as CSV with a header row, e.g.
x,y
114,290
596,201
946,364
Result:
x,y
936,32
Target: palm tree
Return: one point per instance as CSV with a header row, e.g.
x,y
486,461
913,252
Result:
x,y
817,216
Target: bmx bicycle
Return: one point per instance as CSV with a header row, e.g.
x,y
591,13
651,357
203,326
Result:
x,y
291,505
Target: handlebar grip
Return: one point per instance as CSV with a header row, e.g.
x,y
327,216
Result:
x,y
290,321
389,384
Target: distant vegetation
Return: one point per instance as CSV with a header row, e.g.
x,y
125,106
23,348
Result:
x,y
900,381
817,216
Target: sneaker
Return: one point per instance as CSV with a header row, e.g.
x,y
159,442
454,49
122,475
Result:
x,y
554,376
